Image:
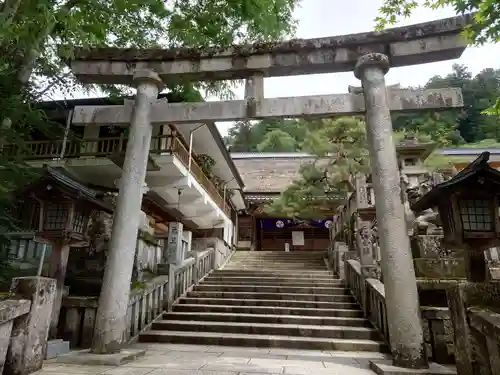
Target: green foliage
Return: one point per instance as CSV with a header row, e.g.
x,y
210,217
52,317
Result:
x,y
7,271
277,140
486,27
34,34
487,17
451,128
340,151
247,136
206,163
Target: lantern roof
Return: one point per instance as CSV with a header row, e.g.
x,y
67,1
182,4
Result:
x,y
480,166
70,186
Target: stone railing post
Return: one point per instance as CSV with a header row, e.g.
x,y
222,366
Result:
x,y
114,299
214,259
340,251
28,339
196,270
361,192
171,286
403,311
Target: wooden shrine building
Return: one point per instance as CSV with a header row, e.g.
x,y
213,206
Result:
x,y
266,175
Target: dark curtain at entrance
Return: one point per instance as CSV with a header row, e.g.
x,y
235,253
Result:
x,y
270,224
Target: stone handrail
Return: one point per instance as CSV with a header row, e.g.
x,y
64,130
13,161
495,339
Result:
x,y
76,323
9,310
24,324
375,309
364,198
371,296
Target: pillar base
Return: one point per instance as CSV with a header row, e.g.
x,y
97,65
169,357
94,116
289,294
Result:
x,y
56,347
387,368
85,357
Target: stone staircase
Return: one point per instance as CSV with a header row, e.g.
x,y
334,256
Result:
x,y
269,299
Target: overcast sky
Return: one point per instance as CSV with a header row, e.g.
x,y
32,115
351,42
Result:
x,y
319,18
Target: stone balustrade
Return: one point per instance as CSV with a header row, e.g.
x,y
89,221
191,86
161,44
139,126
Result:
x,y
485,326
24,324
437,324
10,310
77,319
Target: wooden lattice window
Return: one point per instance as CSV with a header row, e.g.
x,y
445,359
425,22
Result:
x,y
56,216
477,215
79,221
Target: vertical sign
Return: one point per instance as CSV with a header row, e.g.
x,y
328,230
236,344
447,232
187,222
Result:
x,y
174,243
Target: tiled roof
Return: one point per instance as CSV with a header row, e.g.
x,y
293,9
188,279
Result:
x,y
271,175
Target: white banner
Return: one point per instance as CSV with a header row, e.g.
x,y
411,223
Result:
x,y
298,238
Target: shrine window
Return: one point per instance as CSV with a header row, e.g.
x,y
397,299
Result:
x,y
56,216
79,221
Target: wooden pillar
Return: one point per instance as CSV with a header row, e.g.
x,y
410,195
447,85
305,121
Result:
x,y
253,245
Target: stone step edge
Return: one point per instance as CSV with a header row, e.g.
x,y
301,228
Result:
x,y
225,281
273,294
268,338
266,325
245,315
300,279
203,283
263,300
355,305
260,273
285,272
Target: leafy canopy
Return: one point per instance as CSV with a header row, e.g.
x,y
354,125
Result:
x,y
486,27
340,152
33,31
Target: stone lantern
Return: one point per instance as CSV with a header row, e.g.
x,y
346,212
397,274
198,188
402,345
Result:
x,y
468,205
65,209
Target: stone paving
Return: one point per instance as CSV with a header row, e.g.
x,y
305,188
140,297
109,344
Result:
x,y
174,359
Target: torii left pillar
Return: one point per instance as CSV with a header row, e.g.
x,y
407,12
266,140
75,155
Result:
x,y
114,299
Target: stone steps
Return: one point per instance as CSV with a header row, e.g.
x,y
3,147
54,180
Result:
x,y
273,296
267,318
318,331
266,302
269,289
348,311
271,282
266,299
266,341
272,273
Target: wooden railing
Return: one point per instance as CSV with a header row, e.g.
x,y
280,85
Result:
x,y
77,319
112,146
182,153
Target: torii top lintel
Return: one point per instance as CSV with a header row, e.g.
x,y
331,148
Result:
x,y
409,45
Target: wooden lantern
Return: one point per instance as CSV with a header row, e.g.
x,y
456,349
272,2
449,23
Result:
x,y
65,208
63,218
468,206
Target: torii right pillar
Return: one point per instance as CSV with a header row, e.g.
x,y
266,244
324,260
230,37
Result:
x,y
403,309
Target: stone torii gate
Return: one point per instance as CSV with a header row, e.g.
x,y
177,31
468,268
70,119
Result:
x,y
369,55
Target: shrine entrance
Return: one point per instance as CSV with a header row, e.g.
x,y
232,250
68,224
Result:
x,y
282,234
